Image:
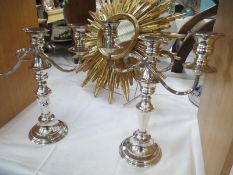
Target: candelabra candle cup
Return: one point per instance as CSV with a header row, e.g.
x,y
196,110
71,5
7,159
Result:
x,y
48,129
79,34
203,48
109,44
152,46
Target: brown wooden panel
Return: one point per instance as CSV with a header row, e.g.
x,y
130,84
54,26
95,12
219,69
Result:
x,y
228,164
216,108
77,11
16,90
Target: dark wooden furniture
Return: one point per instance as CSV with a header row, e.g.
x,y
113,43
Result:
x,y
16,90
183,46
77,11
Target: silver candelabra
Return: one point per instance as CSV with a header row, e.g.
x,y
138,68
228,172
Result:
x,y
48,129
140,149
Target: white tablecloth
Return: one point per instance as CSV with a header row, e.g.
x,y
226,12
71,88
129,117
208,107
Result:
x,y
96,130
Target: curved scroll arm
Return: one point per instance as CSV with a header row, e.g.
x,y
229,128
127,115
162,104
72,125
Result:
x,y
23,54
44,56
171,56
131,68
22,57
195,84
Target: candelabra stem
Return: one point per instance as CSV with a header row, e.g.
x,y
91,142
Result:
x,y
145,106
43,93
48,129
143,120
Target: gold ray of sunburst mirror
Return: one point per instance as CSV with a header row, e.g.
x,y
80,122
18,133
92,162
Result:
x,y
136,17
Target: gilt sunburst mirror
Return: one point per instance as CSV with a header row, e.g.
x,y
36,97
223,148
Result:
x,y
136,17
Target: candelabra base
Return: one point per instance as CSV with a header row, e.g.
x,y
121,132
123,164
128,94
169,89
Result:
x,y
46,133
140,150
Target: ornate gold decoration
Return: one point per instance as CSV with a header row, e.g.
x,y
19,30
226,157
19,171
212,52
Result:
x,y
146,17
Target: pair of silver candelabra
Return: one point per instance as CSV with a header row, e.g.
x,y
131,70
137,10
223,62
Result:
x,y
139,149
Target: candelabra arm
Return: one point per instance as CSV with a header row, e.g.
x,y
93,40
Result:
x,y
12,70
171,56
22,57
120,70
195,84
44,56
138,57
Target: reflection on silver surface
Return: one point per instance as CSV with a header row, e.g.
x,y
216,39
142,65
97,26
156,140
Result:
x,y
109,42
125,31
